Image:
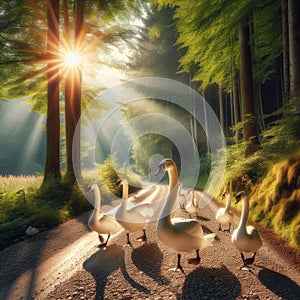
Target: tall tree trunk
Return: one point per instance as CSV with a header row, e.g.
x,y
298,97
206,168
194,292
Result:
x,y
294,47
246,78
73,101
221,105
285,52
236,107
52,165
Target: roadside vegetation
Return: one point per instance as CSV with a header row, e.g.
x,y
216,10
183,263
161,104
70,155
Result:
x,y
25,201
271,177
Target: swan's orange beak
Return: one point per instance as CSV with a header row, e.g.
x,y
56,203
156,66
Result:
x,y
238,198
161,168
118,184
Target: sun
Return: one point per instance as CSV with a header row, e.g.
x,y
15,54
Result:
x,y
73,59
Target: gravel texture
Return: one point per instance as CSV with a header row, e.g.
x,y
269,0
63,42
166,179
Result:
x,y
65,263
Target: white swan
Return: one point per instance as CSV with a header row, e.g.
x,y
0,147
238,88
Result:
x,y
99,222
191,206
182,197
245,238
132,218
224,215
182,235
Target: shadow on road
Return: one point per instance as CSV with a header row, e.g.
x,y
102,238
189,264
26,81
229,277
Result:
x,y
102,263
148,258
279,284
211,283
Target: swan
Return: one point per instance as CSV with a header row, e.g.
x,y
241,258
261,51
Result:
x,y
191,207
132,218
182,235
182,197
99,222
224,215
245,238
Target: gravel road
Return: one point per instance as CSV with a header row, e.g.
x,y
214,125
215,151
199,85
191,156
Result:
x,y
65,263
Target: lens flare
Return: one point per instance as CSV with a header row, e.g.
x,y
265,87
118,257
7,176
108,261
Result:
x,y
73,59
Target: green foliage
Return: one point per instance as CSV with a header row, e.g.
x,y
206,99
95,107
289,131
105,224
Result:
x,y
208,30
271,176
45,207
110,173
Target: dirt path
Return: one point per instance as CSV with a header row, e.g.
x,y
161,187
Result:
x,y
65,263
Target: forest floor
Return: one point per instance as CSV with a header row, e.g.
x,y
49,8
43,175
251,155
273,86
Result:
x,y
65,263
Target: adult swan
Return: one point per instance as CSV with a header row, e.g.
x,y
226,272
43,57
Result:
x,y
132,218
245,238
182,235
99,222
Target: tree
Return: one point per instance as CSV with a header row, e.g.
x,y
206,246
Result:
x,y
246,78
294,48
52,165
73,96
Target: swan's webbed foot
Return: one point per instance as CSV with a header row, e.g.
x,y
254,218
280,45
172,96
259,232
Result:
x,y
195,260
142,238
247,262
102,246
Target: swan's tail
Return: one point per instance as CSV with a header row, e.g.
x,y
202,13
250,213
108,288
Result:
x,y
207,241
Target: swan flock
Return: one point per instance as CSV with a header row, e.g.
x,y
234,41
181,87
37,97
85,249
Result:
x,y
180,234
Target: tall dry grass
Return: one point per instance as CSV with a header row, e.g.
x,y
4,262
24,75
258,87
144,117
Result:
x,y
10,182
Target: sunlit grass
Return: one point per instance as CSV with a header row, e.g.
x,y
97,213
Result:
x,y
10,182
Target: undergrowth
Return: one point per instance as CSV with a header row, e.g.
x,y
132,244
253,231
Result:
x,y
271,177
26,201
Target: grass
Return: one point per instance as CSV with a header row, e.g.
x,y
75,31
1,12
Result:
x,y
25,201
10,182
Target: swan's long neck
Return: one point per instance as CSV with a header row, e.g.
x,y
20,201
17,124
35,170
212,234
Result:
x,y
245,212
97,200
228,202
125,195
172,194
125,191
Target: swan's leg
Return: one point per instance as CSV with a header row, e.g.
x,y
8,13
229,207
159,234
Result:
x,y
228,230
247,262
195,260
102,243
107,239
143,238
253,257
220,227
128,244
178,263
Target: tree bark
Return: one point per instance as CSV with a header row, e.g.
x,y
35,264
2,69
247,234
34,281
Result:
x,y
246,78
285,52
294,47
52,165
236,107
73,101
221,105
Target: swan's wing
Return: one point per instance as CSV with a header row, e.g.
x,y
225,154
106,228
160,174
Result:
x,y
253,232
187,226
145,209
